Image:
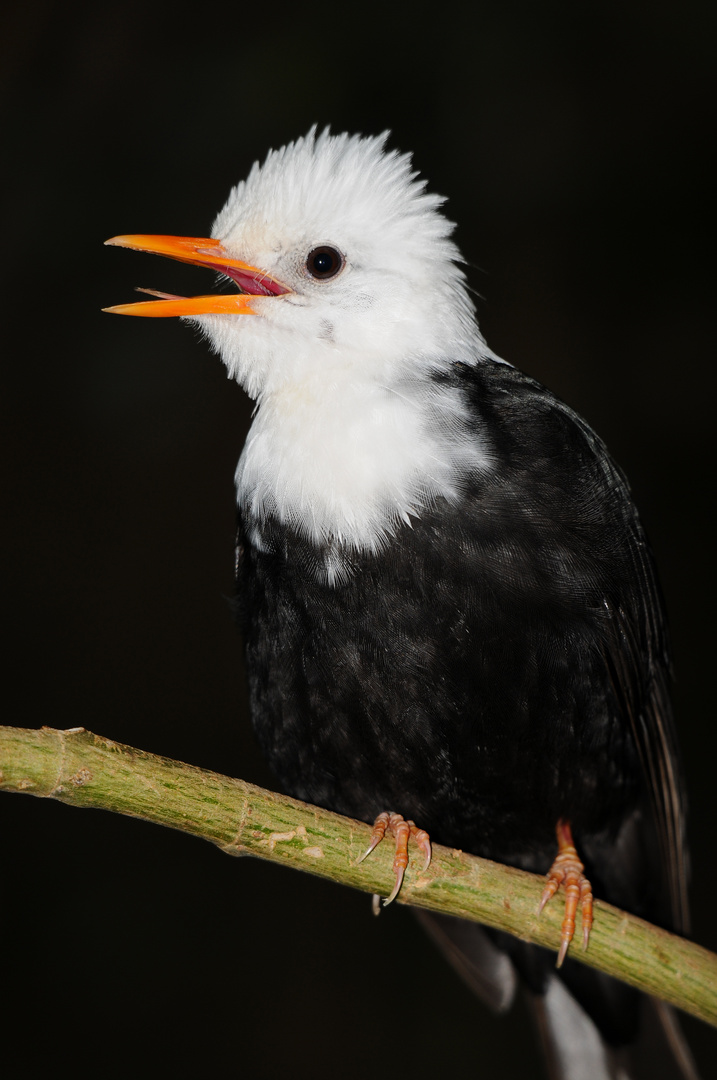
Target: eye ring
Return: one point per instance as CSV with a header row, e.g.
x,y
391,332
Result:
x,y
324,262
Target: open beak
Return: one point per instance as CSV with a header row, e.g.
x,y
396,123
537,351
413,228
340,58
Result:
x,y
251,281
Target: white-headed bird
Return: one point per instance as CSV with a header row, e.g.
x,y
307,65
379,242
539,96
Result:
x,y
450,610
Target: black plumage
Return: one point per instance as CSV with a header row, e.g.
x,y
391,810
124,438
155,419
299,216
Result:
x,y
493,669
501,664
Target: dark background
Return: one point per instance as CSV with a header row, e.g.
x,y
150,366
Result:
x,y
575,146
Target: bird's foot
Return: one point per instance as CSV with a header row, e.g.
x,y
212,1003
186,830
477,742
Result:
x,y
389,824
568,870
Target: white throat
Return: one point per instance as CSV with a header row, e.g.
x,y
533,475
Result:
x,y
345,462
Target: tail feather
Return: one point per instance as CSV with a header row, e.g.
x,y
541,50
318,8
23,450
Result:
x,y
589,1025
574,1048
479,962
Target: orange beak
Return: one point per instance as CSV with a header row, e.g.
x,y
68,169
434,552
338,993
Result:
x,y
199,252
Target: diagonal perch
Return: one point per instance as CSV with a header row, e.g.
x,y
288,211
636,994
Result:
x,y
83,769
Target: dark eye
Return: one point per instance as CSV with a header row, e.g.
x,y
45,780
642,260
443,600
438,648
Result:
x,y
324,262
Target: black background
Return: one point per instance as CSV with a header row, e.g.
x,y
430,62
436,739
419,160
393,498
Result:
x,y
575,146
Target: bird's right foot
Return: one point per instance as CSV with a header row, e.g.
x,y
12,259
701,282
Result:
x,y
396,826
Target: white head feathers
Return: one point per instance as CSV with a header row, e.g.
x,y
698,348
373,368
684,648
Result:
x,y
351,435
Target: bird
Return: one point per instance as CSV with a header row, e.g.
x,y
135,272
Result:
x,y
452,620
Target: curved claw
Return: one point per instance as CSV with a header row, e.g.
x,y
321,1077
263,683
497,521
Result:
x,y
400,870
380,826
550,890
375,841
424,842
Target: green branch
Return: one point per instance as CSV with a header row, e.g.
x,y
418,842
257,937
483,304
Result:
x,y
78,767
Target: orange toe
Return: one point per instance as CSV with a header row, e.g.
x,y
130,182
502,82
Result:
x,y
390,824
567,870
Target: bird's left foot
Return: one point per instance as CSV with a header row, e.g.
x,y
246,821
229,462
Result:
x,y
568,870
389,824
